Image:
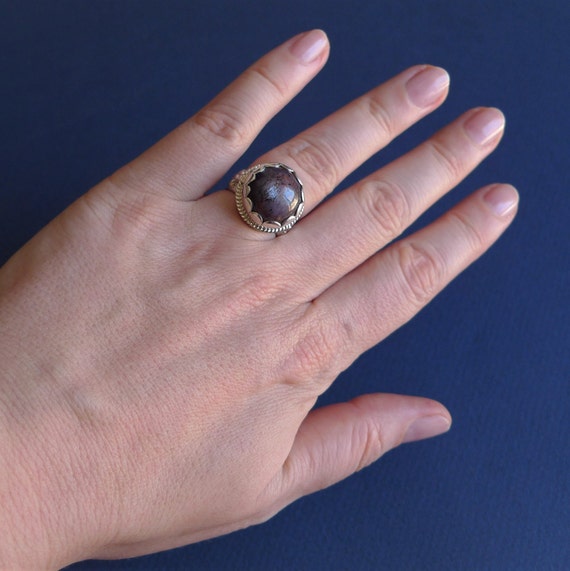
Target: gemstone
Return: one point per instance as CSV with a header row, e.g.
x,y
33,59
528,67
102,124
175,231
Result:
x,y
275,194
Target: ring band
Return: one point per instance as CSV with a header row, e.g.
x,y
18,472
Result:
x,y
269,197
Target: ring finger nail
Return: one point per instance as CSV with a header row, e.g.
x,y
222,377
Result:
x,y
485,125
427,85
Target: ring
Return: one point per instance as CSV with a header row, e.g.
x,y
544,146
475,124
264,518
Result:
x,y
269,197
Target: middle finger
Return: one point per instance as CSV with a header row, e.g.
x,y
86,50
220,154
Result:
x,y
327,152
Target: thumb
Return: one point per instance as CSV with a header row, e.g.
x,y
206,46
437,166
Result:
x,y
335,441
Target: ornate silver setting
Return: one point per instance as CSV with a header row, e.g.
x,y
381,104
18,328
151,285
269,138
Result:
x,y
240,186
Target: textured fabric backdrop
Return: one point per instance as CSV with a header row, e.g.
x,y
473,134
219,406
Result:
x,y
89,85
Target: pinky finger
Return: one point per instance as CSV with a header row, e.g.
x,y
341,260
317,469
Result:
x,y
391,287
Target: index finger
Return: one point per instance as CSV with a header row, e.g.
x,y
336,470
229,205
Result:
x,y
188,161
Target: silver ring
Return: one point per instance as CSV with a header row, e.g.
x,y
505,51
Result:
x,y
269,197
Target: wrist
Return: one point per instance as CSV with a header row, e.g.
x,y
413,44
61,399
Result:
x,y
33,506
24,516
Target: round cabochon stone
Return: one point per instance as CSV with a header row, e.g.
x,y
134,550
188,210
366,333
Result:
x,y
275,194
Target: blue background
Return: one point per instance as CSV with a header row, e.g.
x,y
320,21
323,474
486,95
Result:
x,y
89,85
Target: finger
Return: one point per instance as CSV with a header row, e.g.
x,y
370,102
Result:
x,y
188,161
355,224
335,441
330,150
391,287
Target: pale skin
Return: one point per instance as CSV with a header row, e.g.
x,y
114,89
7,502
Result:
x,y
161,359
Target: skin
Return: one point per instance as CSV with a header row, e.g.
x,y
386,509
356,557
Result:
x,y
161,359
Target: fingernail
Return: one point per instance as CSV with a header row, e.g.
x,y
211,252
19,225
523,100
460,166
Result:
x,y
427,85
502,199
426,427
485,125
309,46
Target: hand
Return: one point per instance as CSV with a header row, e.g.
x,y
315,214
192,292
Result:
x,y
161,358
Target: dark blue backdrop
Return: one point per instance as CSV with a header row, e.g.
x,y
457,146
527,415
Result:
x,y
88,85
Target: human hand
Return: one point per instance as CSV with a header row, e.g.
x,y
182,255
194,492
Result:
x,y
161,358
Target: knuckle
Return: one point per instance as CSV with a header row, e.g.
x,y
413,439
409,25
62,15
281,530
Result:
x,y
267,76
379,112
386,204
136,216
314,352
473,235
224,122
368,439
422,270
254,292
318,160
446,158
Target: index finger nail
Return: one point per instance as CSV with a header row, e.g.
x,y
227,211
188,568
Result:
x,y
309,46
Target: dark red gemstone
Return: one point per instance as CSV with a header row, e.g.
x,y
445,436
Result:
x,y
275,194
